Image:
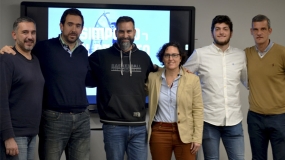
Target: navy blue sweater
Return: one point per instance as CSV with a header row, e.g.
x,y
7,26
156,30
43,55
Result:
x,y
64,75
21,91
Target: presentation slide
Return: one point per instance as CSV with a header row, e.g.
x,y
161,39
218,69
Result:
x,y
152,29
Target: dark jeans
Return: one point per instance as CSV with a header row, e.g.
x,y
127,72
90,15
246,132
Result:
x,y
265,128
64,131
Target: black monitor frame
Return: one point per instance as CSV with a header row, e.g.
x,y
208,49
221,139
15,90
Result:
x,y
41,6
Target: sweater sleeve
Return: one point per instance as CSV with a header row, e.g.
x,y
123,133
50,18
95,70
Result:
x,y
5,87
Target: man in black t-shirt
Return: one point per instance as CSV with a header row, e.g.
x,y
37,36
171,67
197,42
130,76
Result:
x,y
21,92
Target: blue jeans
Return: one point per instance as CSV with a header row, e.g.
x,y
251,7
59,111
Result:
x,y
69,132
26,147
121,139
265,128
232,137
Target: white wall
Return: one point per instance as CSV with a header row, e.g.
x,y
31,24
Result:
x,y
241,13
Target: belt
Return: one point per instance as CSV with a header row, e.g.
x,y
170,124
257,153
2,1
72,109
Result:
x,y
164,124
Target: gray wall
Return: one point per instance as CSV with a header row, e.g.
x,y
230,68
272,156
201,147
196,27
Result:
x,y
240,12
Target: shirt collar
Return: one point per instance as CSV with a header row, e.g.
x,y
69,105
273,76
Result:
x,y
64,45
218,49
180,74
267,48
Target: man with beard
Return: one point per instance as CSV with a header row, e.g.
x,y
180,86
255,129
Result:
x,y
221,68
121,72
65,123
21,83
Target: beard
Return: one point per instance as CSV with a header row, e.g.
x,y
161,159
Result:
x,y
71,40
125,45
222,43
26,47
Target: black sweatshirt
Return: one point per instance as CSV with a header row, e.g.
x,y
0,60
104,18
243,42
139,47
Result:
x,y
21,91
121,84
64,75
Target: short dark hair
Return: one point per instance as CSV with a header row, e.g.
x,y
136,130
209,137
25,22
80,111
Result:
x,y
162,50
22,19
125,19
222,19
71,11
260,18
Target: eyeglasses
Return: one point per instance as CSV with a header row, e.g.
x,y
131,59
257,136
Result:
x,y
171,55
